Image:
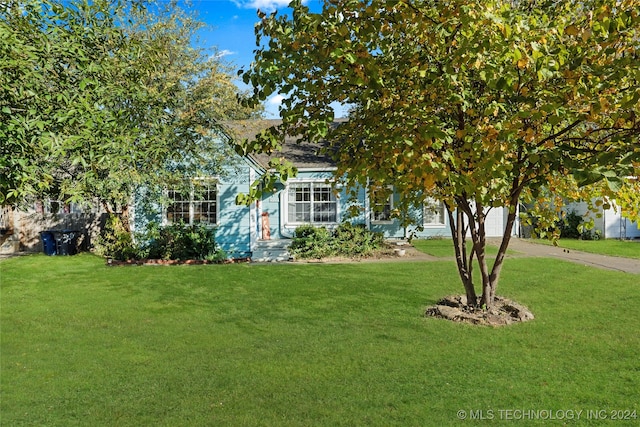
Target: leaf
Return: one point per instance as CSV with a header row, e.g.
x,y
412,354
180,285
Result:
x,y
572,30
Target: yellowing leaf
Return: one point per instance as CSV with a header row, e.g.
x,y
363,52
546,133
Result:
x,y
572,30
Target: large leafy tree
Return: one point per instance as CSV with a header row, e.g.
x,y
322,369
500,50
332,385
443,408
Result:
x,y
480,104
98,98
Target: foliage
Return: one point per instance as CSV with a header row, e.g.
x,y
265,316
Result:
x,y
628,198
573,226
179,241
116,241
346,240
311,242
479,104
176,242
262,345
98,98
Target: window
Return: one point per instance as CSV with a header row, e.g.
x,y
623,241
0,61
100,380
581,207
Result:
x,y
434,213
198,205
311,203
381,208
52,206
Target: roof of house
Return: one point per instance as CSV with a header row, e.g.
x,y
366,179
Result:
x,y
303,154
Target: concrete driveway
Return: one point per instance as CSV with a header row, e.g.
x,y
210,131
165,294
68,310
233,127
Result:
x,y
627,265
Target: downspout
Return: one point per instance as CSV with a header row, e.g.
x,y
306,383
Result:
x,y
367,207
604,223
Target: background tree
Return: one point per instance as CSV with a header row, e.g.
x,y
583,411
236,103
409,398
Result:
x,y
479,104
99,98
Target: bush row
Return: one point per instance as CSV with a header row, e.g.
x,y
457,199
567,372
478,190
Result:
x,y
173,242
345,240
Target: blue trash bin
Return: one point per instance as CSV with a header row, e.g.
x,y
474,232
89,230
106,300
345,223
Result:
x,y
48,242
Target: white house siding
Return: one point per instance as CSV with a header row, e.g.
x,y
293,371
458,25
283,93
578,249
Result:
x,y
617,227
608,221
494,222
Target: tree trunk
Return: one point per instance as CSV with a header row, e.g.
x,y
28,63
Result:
x,y
502,250
478,235
464,266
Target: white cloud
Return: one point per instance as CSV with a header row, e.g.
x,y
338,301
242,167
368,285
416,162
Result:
x,y
264,5
225,52
272,106
275,100
221,54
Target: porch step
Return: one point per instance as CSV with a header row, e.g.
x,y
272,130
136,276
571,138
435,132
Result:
x,y
271,251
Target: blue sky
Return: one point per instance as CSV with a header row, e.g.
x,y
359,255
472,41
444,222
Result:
x,y
232,31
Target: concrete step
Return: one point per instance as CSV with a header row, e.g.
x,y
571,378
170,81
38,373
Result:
x,y
271,251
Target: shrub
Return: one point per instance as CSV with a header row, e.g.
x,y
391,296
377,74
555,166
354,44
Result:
x,y
573,226
311,242
356,240
176,242
346,240
116,241
179,241
569,225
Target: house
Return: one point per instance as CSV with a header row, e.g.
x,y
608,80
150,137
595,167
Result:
x,y
261,230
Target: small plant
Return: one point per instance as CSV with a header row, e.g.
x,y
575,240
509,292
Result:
x,y
217,256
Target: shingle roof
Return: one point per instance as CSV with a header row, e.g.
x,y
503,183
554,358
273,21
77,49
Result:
x,y
303,154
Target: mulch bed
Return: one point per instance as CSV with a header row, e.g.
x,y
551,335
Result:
x,y
504,312
114,262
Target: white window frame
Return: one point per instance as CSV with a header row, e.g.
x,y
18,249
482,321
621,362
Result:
x,y
64,208
428,206
192,203
375,219
311,183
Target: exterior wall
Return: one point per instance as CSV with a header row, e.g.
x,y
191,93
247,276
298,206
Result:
x,y
269,207
617,227
235,223
274,205
608,221
23,226
235,230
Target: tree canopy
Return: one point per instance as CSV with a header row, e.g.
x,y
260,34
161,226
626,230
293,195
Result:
x,y
98,98
481,104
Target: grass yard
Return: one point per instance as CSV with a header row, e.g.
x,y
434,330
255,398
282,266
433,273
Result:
x,y
443,248
611,247
309,345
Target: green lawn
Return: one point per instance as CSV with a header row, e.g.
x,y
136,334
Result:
x,y
308,345
611,247
443,248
